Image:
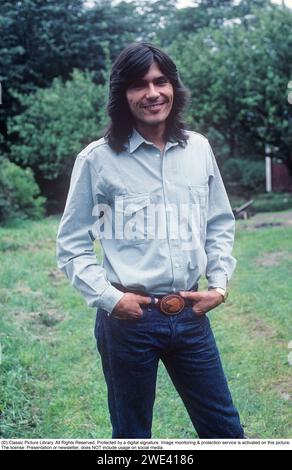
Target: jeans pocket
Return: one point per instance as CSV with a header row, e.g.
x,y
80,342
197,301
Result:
x,y
192,317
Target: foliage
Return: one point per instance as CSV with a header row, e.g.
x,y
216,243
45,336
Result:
x,y
185,22
263,202
56,123
235,57
233,169
243,172
254,177
238,78
19,193
44,39
269,202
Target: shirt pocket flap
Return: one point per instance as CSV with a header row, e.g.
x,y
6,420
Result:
x,y
135,203
199,193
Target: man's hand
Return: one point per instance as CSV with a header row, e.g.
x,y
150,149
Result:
x,y
203,301
128,308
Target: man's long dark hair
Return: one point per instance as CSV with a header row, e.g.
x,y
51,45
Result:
x,y
132,64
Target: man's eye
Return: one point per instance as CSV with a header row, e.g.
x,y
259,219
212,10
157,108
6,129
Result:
x,y
162,81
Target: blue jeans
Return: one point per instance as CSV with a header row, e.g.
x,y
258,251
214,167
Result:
x,y
130,351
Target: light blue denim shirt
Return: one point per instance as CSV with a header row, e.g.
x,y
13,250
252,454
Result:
x,y
115,197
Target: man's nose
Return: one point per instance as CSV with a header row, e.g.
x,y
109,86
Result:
x,y
152,92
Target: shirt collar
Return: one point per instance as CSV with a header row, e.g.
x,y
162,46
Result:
x,y
136,139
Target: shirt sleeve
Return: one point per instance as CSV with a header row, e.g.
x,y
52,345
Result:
x,y
75,248
220,231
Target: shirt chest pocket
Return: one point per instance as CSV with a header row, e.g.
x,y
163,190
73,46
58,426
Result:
x,y
199,196
131,217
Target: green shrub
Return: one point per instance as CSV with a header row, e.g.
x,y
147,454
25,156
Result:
x,y
19,193
233,169
56,123
265,202
247,173
253,176
270,202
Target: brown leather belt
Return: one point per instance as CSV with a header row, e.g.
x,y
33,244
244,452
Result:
x,y
170,304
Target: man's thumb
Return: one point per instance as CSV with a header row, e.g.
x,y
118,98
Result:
x,y
144,300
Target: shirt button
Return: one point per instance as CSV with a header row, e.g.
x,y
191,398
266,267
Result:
x,y
177,265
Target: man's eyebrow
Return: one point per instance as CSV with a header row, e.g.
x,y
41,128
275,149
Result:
x,y
164,77
143,80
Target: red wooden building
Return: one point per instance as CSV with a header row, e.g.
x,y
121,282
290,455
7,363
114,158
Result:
x,y
278,178
281,179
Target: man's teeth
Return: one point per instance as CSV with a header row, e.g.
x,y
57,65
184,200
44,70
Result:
x,y
153,105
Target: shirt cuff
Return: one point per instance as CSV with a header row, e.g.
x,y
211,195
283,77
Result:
x,y
109,298
217,281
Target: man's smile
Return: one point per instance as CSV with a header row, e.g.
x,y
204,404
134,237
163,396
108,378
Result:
x,y
153,105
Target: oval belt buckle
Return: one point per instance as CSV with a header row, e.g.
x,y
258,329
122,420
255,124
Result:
x,y
172,304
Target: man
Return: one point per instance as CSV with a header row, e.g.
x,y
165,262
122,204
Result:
x,y
152,193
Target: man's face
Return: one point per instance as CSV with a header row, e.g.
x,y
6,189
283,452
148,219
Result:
x,y
150,98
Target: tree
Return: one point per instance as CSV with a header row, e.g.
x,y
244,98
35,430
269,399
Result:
x,y
55,125
238,78
202,14
44,39
19,193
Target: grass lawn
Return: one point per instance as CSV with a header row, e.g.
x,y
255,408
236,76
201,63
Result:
x,y
52,384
